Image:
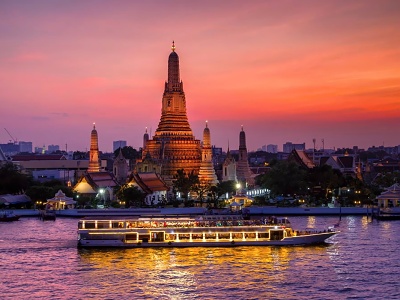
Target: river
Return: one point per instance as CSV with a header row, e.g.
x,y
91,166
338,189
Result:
x,y
40,260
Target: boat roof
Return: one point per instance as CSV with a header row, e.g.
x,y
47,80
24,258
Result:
x,y
164,218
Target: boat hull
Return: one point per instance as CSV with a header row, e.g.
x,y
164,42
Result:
x,y
9,219
312,239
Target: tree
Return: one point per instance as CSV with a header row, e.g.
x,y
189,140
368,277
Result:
x,y
202,190
40,193
12,181
220,189
131,195
285,178
326,178
185,183
128,152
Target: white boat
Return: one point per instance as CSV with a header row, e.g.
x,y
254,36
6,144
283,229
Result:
x,y
203,231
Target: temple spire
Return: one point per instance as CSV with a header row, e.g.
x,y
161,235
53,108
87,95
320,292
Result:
x,y
174,83
94,159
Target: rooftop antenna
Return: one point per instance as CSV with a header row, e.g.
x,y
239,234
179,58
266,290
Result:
x,y
323,145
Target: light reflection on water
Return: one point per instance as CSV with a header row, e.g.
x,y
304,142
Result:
x,y
40,260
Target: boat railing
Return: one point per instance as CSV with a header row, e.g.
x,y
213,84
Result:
x,y
177,224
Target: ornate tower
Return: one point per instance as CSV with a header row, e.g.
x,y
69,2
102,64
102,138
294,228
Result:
x,y
94,160
243,171
145,139
174,145
207,172
229,168
120,168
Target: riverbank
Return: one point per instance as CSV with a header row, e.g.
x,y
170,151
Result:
x,y
252,210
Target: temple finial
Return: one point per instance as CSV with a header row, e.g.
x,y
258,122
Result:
x,y
206,124
173,46
94,125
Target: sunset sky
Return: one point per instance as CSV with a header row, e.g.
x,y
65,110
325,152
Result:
x,y
288,71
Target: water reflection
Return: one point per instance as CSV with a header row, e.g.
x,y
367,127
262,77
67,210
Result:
x,y
311,222
179,272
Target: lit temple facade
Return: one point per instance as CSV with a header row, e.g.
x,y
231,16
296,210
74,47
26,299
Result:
x,y
173,145
94,158
229,168
207,174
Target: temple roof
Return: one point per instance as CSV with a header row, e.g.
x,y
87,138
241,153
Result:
x,y
90,182
149,182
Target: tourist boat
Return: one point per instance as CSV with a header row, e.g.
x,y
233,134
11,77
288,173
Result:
x,y
8,216
207,231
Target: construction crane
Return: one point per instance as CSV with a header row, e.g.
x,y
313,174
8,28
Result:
x,y
12,138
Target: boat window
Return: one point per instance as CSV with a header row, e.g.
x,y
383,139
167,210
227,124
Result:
x,y
210,236
197,236
116,224
184,236
157,236
131,236
223,236
276,234
170,236
90,225
104,224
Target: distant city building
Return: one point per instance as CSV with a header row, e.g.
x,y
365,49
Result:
x,y
269,148
53,148
388,150
272,148
118,144
25,147
10,148
288,147
40,150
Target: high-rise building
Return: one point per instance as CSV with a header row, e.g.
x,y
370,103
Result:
x,y
118,144
25,147
53,148
94,158
272,148
289,147
173,145
207,174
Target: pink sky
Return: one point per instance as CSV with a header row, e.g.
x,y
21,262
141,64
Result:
x,y
285,70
